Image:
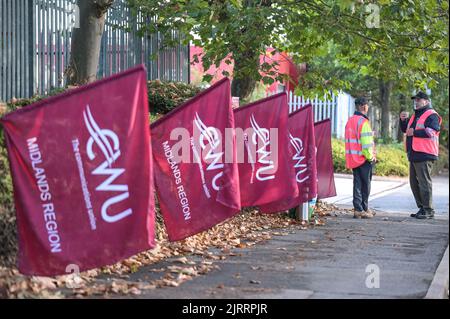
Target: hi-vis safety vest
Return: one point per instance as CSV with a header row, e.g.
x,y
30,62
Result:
x,y
429,145
359,144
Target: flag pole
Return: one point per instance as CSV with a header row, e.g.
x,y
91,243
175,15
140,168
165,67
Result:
x,y
305,212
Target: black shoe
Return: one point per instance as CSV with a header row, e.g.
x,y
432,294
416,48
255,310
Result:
x,y
418,213
425,216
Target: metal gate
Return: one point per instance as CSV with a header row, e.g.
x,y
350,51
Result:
x,y
35,37
337,108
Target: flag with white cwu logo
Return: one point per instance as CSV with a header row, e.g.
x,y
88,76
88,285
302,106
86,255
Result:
x,y
303,160
196,175
262,138
82,176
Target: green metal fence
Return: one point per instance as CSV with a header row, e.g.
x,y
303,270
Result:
x,y
35,38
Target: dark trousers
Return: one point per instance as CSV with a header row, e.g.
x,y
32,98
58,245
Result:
x,y
421,185
362,178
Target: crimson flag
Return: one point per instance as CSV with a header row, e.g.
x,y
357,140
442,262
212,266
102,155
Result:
x,y
197,182
265,173
325,169
303,159
82,175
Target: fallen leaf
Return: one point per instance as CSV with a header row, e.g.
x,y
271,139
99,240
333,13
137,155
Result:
x,y
182,260
45,282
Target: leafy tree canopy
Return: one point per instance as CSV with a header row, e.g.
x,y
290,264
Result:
x,y
402,41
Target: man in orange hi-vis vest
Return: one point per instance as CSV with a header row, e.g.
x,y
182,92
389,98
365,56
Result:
x,y
422,145
360,157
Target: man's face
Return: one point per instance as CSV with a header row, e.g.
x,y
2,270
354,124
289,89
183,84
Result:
x,y
420,103
364,108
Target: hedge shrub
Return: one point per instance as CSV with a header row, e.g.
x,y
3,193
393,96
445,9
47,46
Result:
x,y
392,159
165,96
441,164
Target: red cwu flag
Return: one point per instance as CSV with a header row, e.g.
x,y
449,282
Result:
x,y
197,182
325,169
82,175
265,173
302,158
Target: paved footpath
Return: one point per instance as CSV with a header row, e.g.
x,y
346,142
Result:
x,y
392,194
346,258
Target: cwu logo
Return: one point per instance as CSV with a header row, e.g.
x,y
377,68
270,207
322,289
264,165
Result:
x,y
263,154
299,159
108,143
210,142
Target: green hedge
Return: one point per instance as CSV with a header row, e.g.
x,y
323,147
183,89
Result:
x,y
392,159
165,96
441,164
338,148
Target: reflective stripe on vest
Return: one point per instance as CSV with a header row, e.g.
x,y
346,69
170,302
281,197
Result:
x,y
428,145
359,125
353,152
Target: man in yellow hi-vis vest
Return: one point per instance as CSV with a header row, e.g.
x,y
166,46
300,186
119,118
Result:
x,y
360,157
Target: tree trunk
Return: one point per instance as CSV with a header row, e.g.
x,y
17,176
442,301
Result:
x,y
86,40
243,85
403,103
385,94
246,63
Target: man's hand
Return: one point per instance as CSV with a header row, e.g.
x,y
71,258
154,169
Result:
x,y
410,132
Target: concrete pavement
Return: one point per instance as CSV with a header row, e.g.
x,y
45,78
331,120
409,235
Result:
x,y
389,256
392,195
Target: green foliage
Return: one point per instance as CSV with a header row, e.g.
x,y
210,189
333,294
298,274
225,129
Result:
x,y
392,160
165,96
409,46
6,191
258,93
440,100
441,164
338,151
8,232
153,117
